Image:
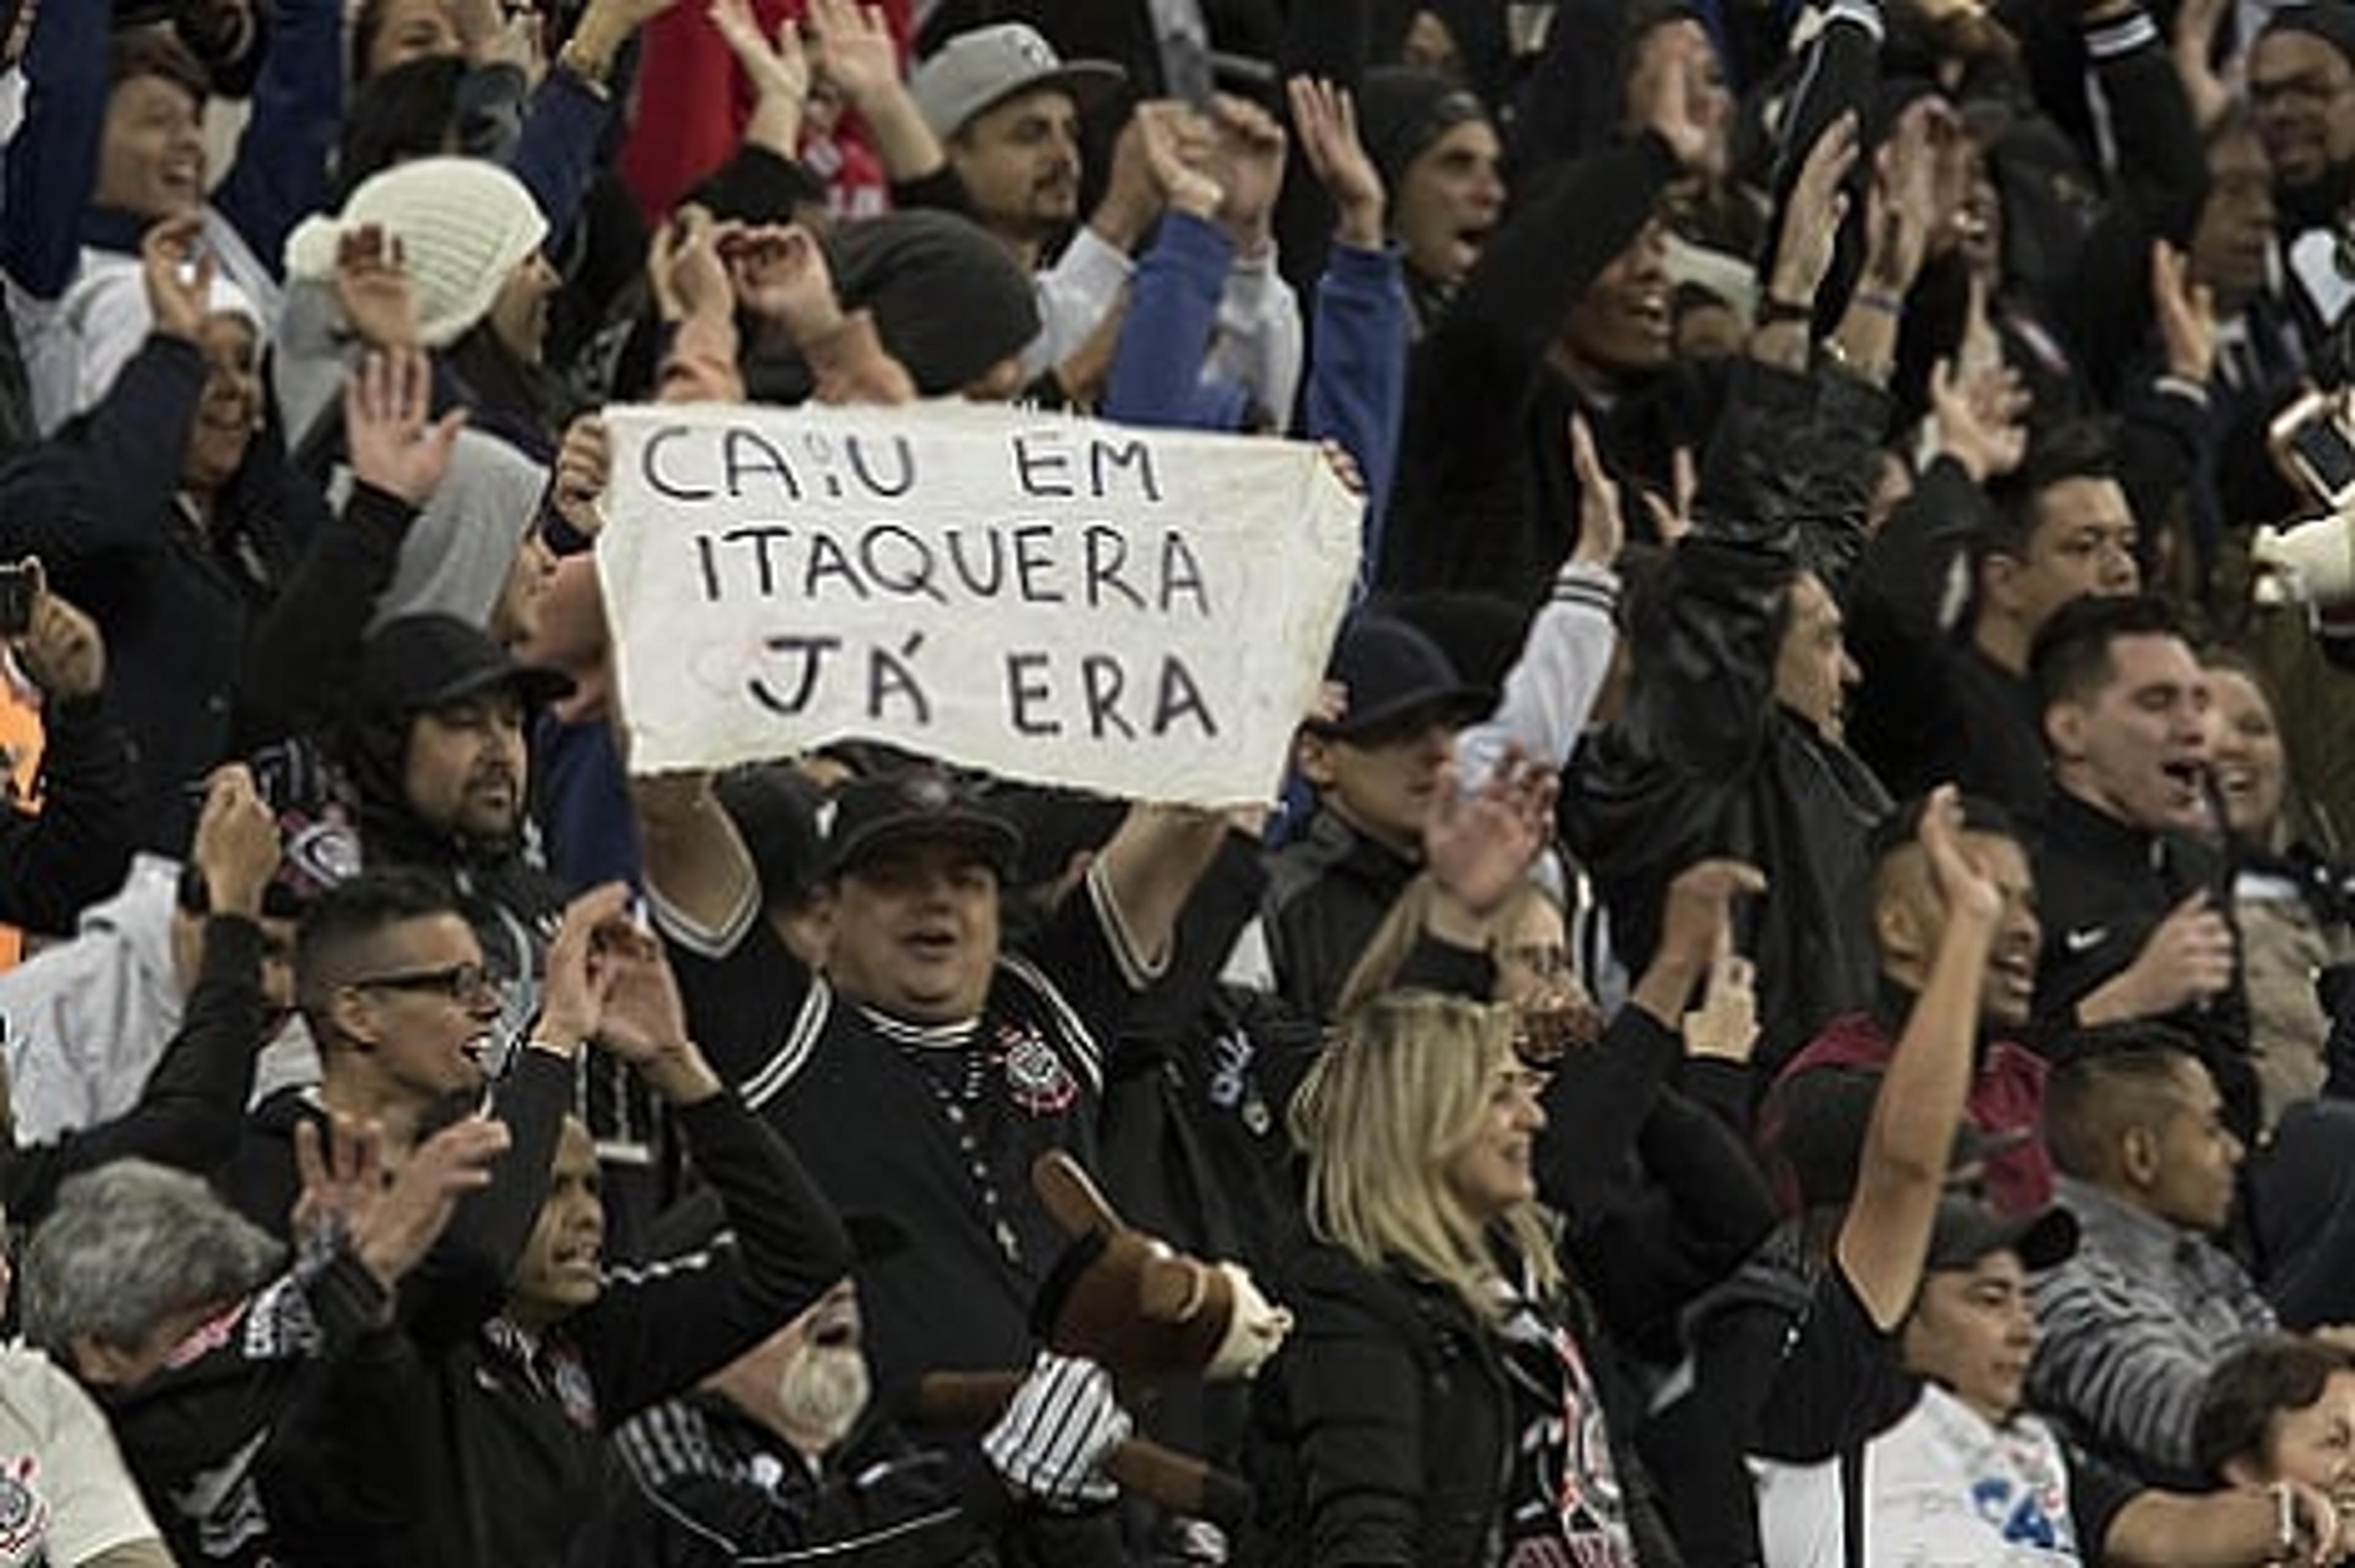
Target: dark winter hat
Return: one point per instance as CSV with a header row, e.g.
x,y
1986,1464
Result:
x,y
1397,677
1968,1230
2329,20
416,663
1402,111
949,300
915,807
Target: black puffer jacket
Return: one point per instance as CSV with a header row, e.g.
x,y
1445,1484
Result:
x,y
1705,761
1384,1430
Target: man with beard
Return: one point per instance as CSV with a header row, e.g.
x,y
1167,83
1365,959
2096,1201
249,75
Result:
x,y
2138,905
780,1456
436,749
2301,74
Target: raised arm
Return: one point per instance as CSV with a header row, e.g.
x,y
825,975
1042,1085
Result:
x,y
281,173
52,165
1885,1239
75,851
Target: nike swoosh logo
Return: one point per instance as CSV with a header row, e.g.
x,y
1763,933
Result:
x,y
2085,941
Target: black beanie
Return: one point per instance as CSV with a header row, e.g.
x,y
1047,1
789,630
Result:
x,y
949,300
1401,112
2331,20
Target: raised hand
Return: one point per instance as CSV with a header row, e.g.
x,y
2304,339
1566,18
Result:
x,y
1697,919
236,844
1961,885
779,272
388,401
572,1007
683,268
1664,96
179,272
1672,514
390,1227
1904,207
1601,511
1247,161
1725,1026
61,650
855,50
1813,215
1479,846
584,466
1166,132
373,289
778,70
1981,418
2187,315
1324,118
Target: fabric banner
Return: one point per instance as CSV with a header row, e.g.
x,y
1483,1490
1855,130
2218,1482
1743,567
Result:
x,y
1142,612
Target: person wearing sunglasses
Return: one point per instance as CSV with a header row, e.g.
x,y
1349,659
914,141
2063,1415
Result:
x,y
389,977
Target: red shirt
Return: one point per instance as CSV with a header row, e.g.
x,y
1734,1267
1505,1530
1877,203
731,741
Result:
x,y
2007,1097
693,101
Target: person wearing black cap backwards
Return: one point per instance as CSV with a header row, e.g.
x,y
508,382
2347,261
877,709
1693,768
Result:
x,y
923,1068
1893,1431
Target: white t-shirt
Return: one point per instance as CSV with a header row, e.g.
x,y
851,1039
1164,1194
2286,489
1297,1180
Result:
x,y
65,1497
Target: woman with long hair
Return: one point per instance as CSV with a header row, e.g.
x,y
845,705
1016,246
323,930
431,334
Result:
x,y
2292,901
1440,1400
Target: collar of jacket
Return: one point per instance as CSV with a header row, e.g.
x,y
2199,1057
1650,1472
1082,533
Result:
x,y
1342,846
2073,819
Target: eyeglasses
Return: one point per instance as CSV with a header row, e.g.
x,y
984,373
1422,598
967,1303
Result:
x,y
458,982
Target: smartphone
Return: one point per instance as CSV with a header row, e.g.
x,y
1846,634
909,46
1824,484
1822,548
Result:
x,y
2314,446
20,589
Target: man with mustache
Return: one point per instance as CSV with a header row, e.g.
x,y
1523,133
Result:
x,y
785,1453
435,746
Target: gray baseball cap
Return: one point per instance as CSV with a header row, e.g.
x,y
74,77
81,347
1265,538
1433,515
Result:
x,y
982,68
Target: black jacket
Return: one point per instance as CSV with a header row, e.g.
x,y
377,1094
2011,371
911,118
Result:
x,y
1384,1428
1932,708
521,1423
99,504
2103,887
76,848
1705,761
1328,893
1485,497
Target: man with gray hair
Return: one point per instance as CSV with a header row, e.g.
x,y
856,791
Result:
x,y
218,1376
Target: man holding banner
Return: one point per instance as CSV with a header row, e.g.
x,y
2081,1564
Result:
x,y
1144,614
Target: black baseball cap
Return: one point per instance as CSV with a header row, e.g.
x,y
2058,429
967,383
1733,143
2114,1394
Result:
x,y
1968,1230
1397,678
923,805
418,663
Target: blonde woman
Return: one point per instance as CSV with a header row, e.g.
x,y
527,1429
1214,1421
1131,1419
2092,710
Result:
x,y
1438,1401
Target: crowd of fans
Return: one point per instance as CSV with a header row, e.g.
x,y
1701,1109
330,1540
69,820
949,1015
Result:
x,y
1799,1007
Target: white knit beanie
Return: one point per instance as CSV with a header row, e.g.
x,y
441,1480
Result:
x,y
464,224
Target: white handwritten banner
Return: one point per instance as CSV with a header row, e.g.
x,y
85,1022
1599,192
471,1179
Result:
x,y
1142,612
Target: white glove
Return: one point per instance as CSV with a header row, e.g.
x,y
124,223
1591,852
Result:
x,y
1050,1444
2311,562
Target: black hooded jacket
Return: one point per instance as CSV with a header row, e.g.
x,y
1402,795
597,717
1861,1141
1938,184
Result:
x,y
1705,761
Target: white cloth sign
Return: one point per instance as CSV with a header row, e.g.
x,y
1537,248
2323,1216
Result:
x,y
1142,612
